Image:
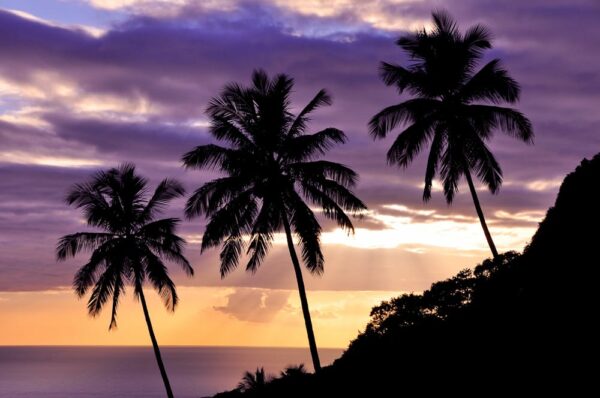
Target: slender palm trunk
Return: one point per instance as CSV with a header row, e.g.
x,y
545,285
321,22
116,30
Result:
x,y
486,231
161,366
303,301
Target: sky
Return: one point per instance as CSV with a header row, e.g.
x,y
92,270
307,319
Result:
x,y
88,84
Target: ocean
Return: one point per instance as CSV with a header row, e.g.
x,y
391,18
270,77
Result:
x,y
131,372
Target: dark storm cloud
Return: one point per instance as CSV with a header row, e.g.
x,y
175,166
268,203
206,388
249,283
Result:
x,y
176,64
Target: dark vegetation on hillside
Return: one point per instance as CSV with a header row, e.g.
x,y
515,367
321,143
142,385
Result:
x,y
521,323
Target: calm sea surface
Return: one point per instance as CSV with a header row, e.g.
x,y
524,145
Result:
x,y
86,372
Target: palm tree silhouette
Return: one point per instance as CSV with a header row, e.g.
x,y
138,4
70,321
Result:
x,y
270,165
451,109
293,371
254,382
132,247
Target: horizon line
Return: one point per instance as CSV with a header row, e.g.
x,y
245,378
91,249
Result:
x,y
162,345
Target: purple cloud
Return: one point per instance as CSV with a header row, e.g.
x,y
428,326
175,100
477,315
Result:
x,y
137,93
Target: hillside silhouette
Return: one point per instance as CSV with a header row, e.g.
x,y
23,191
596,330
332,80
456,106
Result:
x,y
522,323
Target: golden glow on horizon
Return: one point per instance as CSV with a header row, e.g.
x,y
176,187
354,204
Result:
x,y
58,318
456,232
449,234
451,231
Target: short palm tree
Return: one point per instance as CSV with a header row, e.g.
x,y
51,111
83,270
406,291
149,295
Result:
x,y
454,110
270,165
293,371
132,246
254,382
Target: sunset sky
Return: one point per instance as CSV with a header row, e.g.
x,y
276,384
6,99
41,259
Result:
x,y
87,84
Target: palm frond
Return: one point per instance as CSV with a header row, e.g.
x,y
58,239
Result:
x,y
337,192
236,106
70,245
260,81
158,275
209,157
330,208
437,145
87,275
307,229
235,216
484,163
452,167
230,253
167,190
161,237
491,83
409,111
305,147
224,128
104,288
260,243
96,209
267,221
396,75
298,126
126,189
409,142
476,39
211,196
170,248
118,288
509,120
323,169
444,23
158,229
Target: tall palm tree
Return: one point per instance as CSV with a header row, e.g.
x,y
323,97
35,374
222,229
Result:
x,y
454,109
132,246
270,165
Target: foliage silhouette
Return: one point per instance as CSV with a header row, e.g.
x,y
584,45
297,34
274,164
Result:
x,y
454,109
271,167
294,371
520,323
254,382
132,246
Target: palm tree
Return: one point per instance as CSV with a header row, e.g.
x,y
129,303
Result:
x,y
271,168
254,381
132,246
293,371
454,109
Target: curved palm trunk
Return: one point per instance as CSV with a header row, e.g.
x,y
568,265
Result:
x,y
486,231
303,301
161,366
